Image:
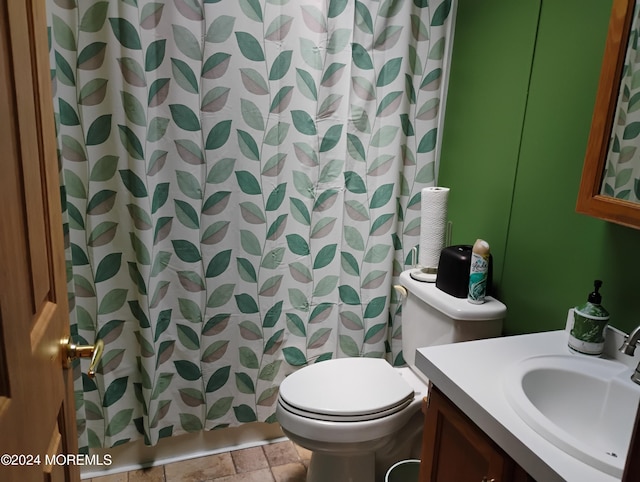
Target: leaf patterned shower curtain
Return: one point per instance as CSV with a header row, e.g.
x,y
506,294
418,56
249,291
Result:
x,y
242,182
622,173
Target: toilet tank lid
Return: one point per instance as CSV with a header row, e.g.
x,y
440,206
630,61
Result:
x,y
452,307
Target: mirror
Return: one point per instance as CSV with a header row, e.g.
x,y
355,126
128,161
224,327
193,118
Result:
x,y
591,201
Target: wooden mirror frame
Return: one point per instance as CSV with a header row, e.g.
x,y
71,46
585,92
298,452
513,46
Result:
x,y
590,201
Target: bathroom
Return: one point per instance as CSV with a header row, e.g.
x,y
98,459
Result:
x,y
518,114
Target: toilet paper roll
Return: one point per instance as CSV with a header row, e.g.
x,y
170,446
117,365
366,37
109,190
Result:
x,y
433,224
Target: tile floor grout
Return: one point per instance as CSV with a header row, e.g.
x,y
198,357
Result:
x,y
277,462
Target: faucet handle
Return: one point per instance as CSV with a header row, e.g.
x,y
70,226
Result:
x,y
628,348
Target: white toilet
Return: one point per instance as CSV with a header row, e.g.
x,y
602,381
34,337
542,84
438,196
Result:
x,y
358,416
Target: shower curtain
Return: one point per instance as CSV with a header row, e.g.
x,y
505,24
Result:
x,y
241,181
622,173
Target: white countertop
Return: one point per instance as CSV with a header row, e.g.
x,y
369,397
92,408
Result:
x,y
470,375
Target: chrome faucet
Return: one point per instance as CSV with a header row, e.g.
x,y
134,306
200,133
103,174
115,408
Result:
x,y
629,348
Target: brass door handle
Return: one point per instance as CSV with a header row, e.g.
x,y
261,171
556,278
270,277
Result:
x,y
71,351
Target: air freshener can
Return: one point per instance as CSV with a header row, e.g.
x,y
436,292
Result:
x,y
478,272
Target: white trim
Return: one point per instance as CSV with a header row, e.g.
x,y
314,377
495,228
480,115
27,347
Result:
x,y
135,455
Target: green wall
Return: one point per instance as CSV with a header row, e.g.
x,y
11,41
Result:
x,y
521,92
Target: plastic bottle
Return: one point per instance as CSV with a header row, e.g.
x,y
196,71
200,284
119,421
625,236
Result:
x,y
589,324
478,272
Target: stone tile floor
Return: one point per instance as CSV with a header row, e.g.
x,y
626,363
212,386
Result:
x,y
277,462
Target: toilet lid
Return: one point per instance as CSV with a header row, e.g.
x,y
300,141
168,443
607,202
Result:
x,y
346,389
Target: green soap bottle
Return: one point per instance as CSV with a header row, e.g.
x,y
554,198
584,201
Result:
x,y
589,323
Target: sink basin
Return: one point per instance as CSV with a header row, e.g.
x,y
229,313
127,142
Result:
x,y
584,406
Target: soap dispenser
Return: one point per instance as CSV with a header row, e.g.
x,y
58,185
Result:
x,y
589,323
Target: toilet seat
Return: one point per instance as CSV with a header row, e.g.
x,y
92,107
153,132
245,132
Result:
x,y
346,390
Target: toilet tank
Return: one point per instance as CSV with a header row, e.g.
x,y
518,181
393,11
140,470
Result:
x,y
432,317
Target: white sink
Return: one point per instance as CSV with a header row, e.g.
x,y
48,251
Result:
x,y
584,406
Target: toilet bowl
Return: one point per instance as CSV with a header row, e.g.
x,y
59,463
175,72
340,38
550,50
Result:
x,y
358,416
345,410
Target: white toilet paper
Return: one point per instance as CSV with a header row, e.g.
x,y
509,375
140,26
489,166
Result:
x,y
433,224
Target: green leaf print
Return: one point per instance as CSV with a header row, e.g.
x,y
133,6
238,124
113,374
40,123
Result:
x,y
63,34
253,81
244,383
279,28
184,76
126,33
115,391
280,102
157,128
248,183
112,301
249,46
189,185
190,423
361,57
428,141
280,65
220,29
390,8
133,183
441,13
151,15
252,9
189,151
108,267
246,303
191,397
218,264
348,295
325,256
154,55
218,379
218,135
158,92
186,42
188,337
325,286
133,109
187,370
94,17
131,142
375,307
310,53
331,138
294,356
184,117
250,242
92,56
219,408
336,7
388,37
119,422
348,345
186,251
68,115
99,131
363,19
64,72
297,244
245,414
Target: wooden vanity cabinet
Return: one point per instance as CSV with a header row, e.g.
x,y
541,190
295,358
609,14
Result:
x,y
454,449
